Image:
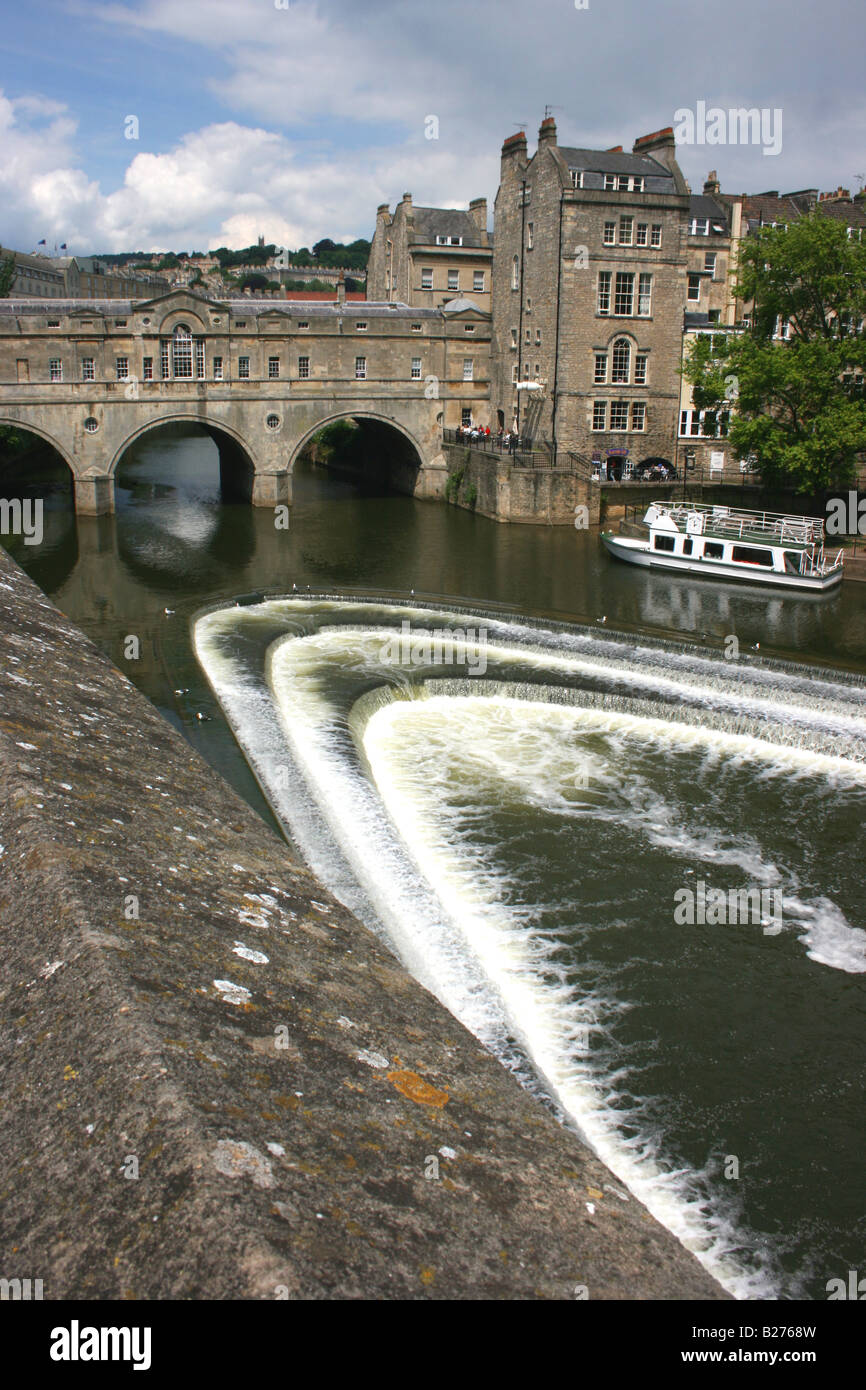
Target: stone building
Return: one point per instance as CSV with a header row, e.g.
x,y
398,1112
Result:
x,y
79,277
429,256
589,292
35,276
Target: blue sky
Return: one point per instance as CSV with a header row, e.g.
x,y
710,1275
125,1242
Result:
x,y
297,121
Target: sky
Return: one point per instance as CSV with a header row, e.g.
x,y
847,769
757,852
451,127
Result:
x,y
191,124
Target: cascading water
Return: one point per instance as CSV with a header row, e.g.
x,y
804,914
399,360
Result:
x,y
517,817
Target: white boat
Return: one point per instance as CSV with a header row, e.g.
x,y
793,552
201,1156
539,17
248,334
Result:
x,y
728,543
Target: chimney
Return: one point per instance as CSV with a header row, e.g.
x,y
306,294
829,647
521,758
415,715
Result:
x,y
547,132
513,158
614,149
711,183
478,213
341,287
660,144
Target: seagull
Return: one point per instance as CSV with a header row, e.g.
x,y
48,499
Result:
x,y
604,619
169,612
204,718
181,692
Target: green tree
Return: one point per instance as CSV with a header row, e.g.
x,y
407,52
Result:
x,y
798,405
7,276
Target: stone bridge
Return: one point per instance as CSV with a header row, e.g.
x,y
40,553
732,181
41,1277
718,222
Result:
x,y
91,377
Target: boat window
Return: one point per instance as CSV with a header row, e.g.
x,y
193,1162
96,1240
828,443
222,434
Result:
x,y
663,542
687,545
713,550
750,555
792,561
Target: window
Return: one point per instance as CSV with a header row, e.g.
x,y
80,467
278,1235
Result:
x,y
243,368
694,290
538,337
640,362
514,376
468,369
182,351
621,361
638,415
121,367
361,327
164,369
600,375
514,337
120,323
604,277
619,415
663,542
55,323
91,424
453,279
529,304
599,415
241,323
622,183
415,327
656,234
515,272
478,281
469,328
427,279
88,369
416,369
55,369
576,178
217,369
624,296
449,241
610,183
273,368
713,550
609,236
637,184
360,369
750,555
199,359
626,231
700,226
466,416
304,325
273,422
304,368
645,295
527,333
641,236
530,229
710,263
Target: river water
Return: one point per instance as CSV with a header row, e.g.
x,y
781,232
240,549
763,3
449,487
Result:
x,y
522,774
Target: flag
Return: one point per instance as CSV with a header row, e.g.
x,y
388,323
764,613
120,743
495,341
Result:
x,y
40,243
63,245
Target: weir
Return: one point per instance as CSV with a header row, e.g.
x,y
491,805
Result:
x,y
218,1083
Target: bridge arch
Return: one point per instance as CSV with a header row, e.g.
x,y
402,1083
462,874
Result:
x,y
348,413
183,417
27,428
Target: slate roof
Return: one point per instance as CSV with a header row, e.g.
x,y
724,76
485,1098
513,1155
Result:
x,y
240,308
612,162
433,222
702,205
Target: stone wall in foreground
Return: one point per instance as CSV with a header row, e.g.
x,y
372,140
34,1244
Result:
x,y
237,1091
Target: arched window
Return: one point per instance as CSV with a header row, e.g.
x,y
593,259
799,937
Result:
x,y
621,361
515,273
181,345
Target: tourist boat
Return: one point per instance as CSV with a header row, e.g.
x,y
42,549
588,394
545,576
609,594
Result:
x,y
731,543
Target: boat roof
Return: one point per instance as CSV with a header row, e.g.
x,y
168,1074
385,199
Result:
x,y
743,523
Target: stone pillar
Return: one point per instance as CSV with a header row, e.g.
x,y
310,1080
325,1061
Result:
x,y
94,496
272,489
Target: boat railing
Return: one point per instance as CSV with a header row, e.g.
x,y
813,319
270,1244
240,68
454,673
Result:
x,y
735,522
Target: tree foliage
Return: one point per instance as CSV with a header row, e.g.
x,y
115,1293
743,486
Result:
x,y
799,405
7,276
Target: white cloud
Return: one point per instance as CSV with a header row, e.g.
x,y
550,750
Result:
x,y
224,184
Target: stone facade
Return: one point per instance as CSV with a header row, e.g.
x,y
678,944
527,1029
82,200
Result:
x,y
92,376
428,256
589,281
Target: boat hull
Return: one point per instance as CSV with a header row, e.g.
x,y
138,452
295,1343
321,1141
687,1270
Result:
x,y
637,552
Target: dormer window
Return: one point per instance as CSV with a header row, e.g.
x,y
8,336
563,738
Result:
x,y
449,241
576,178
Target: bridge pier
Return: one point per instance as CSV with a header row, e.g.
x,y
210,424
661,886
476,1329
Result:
x,y
94,496
272,489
